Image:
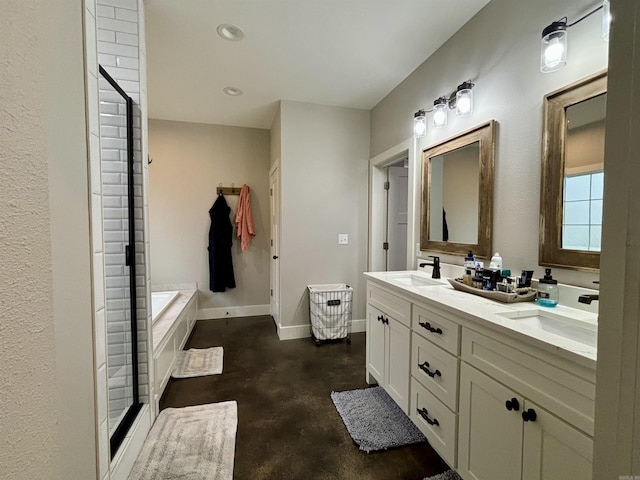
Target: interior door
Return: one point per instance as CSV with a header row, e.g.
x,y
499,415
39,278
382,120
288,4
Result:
x,y
274,192
398,178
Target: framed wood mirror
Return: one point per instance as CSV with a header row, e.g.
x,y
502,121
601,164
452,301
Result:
x,y
573,174
457,193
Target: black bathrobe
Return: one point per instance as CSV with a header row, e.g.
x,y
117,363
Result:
x,y
220,237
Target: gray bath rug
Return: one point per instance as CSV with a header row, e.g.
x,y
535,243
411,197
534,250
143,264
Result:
x,y
198,362
195,443
448,475
374,420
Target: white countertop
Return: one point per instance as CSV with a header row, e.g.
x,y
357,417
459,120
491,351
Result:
x,y
488,313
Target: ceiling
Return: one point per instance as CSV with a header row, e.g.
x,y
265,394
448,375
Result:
x,y
347,53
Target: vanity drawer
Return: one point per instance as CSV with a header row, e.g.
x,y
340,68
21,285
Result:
x,y
392,305
435,421
547,380
435,369
437,329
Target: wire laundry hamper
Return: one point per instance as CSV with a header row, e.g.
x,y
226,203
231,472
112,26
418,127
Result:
x,y
330,312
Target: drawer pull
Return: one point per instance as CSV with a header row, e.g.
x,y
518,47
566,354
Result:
x,y
425,414
513,404
529,415
425,368
428,326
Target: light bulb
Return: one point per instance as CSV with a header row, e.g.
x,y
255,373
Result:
x,y
553,53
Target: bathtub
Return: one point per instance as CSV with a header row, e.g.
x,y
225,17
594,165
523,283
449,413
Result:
x,y
160,301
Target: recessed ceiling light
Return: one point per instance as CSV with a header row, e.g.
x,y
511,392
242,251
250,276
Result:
x,y
230,32
233,91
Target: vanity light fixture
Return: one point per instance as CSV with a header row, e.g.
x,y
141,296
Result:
x,y
420,124
553,46
464,99
461,100
440,112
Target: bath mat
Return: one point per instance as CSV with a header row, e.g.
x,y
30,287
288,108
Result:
x,y
448,475
195,443
374,420
198,362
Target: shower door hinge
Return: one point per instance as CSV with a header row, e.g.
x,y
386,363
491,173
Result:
x,y
385,246
127,256
386,185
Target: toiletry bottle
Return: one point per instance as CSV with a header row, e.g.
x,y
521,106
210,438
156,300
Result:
x,y
496,262
547,290
469,268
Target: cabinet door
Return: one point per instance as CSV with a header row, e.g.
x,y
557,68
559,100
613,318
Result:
x,y
398,369
375,345
489,435
553,450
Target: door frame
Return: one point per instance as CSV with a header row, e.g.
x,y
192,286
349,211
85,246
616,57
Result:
x,y
274,269
378,203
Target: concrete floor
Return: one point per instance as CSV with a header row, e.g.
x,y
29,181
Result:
x,y
288,427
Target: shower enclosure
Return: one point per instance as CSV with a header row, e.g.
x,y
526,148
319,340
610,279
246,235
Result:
x,y
116,154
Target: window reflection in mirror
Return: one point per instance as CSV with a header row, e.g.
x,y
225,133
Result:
x,y
453,198
584,175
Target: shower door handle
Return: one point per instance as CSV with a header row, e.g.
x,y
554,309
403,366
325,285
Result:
x,y
127,256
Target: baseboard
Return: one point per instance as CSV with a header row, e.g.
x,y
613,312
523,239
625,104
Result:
x,y
229,312
123,462
304,331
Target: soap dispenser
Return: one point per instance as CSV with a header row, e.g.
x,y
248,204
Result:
x,y
548,295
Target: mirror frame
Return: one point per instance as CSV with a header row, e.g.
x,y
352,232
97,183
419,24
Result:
x,y
550,251
485,134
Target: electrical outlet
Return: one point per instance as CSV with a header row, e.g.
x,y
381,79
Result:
x,y
343,239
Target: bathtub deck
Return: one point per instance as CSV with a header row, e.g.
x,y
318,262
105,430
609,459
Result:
x,y
167,319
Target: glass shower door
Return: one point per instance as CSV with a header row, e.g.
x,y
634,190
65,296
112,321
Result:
x,y
116,153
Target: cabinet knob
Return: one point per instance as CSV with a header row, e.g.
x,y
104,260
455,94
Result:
x,y
380,317
529,415
425,414
385,320
513,404
425,368
428,326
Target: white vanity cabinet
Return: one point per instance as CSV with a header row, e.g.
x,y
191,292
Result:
x,y
465,377
515,411
388,343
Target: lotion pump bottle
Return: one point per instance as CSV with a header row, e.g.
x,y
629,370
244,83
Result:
x,y
496,262
548,294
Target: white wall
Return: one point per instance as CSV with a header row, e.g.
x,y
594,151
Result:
x,y
325,153
189,161
47,400
499,50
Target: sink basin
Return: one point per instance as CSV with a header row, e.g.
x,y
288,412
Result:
x,y
556,324
413,280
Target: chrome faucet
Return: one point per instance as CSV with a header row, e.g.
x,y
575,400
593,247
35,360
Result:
x,y
588,298
436,266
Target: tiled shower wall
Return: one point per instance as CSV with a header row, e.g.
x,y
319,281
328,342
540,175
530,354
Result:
x,y
118,53
114,36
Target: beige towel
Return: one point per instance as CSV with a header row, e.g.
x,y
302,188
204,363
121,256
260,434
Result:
x,y
244,219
